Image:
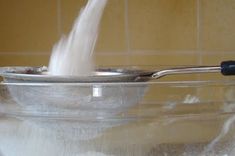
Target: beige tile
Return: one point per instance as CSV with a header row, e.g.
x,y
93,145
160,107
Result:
x,y
211,59
111,61
112,28
148,61
218,22
164,60
24,60
70,9
28,25
162,25
112,33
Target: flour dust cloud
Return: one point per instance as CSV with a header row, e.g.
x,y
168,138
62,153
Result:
x,y
72,55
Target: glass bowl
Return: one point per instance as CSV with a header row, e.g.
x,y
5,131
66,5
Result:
x,y
160,118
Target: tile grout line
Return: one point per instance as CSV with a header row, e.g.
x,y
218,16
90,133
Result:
x,y
59,23
127,31
24,53
199,48
135,52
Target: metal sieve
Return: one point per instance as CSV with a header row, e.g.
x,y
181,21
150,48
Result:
x,y
39,74
80,97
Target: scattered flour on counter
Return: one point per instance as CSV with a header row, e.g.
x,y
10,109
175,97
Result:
x,y
190,99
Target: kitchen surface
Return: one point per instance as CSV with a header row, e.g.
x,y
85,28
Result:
x,y
119,109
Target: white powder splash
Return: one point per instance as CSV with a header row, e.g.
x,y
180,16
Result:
x,y
72,55
225,130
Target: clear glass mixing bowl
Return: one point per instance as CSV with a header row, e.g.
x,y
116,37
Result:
x,y
160,118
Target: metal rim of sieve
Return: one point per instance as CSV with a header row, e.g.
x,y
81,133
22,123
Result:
x,y
39,74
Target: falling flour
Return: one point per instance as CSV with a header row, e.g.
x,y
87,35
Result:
x,y
72,55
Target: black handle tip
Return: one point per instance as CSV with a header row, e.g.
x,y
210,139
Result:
x,y
228,68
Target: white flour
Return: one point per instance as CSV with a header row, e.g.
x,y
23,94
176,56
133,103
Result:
x,y
225,130
26,139
73,54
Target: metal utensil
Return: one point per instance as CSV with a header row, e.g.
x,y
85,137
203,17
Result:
x,y
67,94
39,74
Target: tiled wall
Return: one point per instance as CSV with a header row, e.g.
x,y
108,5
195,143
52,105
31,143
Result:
x,y
133,32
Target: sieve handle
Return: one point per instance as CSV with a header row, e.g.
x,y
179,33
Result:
x,y
226,68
